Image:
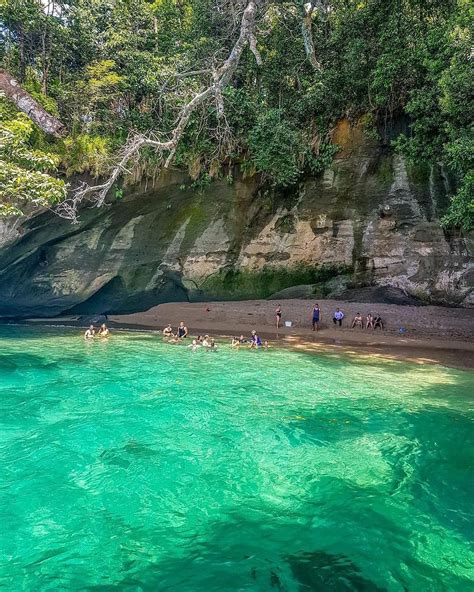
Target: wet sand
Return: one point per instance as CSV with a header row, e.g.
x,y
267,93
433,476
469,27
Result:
x,y
432,334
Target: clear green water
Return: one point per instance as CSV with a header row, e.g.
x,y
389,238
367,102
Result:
x,y
132,465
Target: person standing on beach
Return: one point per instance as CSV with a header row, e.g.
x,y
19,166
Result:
x,y
338,316
278,316
316,317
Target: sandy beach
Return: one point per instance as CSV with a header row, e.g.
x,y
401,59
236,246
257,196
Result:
x,y
429,333
425,334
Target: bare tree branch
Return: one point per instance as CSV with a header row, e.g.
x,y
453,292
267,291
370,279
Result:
x,y
26,103
221,77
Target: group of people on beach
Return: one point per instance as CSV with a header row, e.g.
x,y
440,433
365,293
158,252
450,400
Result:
x,y
254,341
371,321
91,333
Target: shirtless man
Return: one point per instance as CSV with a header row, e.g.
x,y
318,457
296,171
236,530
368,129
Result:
x,y
90,333
358,322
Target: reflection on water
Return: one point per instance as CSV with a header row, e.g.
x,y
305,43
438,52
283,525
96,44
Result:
x,y
131,465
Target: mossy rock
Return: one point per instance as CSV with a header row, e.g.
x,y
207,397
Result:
x,y
239,284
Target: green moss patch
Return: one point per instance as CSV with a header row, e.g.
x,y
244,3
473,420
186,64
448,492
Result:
x,y
242,284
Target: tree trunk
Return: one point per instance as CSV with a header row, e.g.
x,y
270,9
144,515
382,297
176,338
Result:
x,y
306,30
26,103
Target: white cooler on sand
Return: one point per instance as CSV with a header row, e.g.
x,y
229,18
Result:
x,y
288,323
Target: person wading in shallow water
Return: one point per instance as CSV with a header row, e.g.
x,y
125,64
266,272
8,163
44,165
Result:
x,y
167,331
316,317
90,333
103,331
182,331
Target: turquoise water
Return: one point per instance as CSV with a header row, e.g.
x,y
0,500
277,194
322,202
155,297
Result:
x,y
132,465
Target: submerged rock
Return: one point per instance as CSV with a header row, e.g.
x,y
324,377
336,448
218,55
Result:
x,y
369,220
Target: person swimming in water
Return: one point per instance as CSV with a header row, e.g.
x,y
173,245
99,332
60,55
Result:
x,y
103,331
205,341
255,341
194,345
182,331
168,331
235,342
90,332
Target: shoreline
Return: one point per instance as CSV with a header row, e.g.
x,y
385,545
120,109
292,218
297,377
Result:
x,y
434,335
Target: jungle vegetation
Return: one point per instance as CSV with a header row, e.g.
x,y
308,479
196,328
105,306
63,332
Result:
x,y
119,78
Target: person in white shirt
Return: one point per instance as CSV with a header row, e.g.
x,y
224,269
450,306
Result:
x,y
338,316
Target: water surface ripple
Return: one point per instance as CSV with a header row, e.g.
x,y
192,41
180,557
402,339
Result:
x,y
131,465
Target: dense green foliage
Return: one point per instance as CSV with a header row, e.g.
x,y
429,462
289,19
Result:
x,y
112,67
24,171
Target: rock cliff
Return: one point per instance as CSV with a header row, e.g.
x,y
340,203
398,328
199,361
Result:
x,y
369,220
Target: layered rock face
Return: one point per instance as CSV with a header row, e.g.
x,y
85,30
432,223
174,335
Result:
x,y
370,219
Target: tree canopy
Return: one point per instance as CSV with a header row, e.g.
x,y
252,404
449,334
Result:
x,y
114,71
